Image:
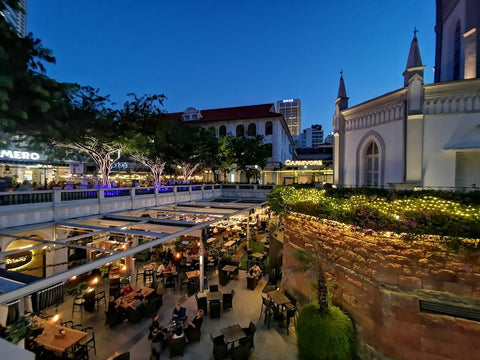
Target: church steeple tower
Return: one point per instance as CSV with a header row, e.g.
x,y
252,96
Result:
x,y
342,99
414,62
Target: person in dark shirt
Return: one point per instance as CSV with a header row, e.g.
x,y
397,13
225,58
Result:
x,y
194,325
179,312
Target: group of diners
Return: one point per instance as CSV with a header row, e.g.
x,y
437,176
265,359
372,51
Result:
x,y
132,305
176,334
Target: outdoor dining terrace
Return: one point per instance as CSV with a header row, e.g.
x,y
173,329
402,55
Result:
x,y
248,329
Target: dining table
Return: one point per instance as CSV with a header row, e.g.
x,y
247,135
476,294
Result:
x,y
278,297
193,274
214,296
56,337
232,333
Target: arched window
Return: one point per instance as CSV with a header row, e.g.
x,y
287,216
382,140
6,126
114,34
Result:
x,y
456,52
268,128
222,131
372,164
240,130
252,129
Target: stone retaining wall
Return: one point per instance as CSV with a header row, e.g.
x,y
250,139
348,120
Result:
x,y
380,278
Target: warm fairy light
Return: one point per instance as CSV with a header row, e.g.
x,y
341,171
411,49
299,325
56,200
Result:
x,y
124,267
55,318
178,255
74,277
90,289
94,281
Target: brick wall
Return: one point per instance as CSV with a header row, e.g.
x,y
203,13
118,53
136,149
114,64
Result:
x,y
379,279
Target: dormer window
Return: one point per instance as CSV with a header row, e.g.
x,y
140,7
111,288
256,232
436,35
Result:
x,y
191,114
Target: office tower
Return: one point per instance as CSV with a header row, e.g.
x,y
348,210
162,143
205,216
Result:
x,y
16,18
292,112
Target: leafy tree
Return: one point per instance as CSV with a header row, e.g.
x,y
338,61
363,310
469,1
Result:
x,y
27,95
191,147
90,127
146,129
249,154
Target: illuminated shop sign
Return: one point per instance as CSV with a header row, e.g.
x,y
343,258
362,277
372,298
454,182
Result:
x,y
18,259
19,155
303,162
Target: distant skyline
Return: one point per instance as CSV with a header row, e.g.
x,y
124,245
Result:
x,y
214,54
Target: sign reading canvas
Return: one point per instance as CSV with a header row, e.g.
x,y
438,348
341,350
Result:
x,y
19,155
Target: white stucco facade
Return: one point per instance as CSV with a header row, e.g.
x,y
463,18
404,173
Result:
x,y
424,136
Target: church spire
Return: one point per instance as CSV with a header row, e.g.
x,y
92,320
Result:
x,y
342,99
414,61
342,93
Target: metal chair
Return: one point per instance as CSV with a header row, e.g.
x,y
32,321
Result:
x,y
98,299
213,288
77,306
68,323
90,343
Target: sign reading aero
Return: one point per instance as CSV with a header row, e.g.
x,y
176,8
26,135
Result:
x,y
303,162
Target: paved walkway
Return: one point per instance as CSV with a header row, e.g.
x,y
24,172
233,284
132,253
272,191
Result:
x,y
273,343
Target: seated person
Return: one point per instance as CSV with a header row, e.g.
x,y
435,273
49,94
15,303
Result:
x,y
160,270
179,312
255,271
158,338
113,305
127,289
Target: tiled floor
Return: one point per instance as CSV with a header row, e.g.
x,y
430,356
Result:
x,y
273,343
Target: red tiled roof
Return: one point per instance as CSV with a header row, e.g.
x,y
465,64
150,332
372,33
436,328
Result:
x,y
233,113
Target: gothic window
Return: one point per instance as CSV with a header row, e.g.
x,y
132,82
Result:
x,y
372,164
456,52
252,130
222,131
240,130
268,128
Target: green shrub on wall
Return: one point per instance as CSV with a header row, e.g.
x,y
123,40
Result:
x,y
324,337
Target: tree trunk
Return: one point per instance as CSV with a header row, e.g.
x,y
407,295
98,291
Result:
x,y
322,292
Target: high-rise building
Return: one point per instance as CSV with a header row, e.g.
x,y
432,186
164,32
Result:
x,y
17,19
311,137
291,110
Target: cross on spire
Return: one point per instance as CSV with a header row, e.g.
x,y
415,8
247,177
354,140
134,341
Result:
x,y
415,31
341,73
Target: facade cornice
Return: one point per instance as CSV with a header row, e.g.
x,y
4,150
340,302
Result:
x,y
452,97
386,108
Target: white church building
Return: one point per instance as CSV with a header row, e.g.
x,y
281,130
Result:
x,y
421,135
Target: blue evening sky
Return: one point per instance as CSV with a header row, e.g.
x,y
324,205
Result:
x,y
223,53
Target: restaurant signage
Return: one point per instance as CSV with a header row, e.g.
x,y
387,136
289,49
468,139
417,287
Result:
x,y
303,162
19,155
19,259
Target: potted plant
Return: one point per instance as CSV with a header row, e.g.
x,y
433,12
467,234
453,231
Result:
x,y
20,329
